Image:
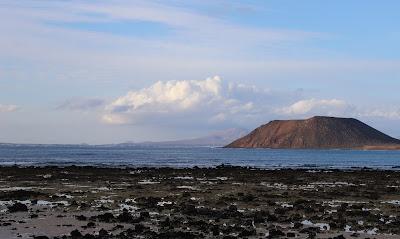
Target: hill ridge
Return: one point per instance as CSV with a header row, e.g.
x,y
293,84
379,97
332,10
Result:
x,y
318,132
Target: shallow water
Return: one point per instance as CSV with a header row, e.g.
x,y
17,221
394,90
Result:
x,y
138,156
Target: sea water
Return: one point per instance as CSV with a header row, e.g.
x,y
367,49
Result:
x,y
162,156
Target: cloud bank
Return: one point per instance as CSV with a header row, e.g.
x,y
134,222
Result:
x,y
212,101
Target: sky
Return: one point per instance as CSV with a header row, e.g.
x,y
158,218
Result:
x,y
114,71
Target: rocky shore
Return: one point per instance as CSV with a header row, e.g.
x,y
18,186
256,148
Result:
x,y
223,202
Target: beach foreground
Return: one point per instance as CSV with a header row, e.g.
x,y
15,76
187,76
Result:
x,y
222,202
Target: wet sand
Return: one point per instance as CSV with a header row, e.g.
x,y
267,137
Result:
x,y
222,202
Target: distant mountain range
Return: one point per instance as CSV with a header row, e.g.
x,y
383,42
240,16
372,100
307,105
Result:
x,y
218,138
318,132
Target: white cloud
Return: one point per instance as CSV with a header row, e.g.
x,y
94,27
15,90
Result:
x,y
8,108
169,96
325,106
200,100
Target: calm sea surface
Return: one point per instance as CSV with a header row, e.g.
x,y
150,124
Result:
x,y
193,156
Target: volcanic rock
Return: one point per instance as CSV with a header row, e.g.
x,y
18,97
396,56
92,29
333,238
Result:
x,y
319,132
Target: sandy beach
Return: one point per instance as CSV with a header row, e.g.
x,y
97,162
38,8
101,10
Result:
x,y
222,202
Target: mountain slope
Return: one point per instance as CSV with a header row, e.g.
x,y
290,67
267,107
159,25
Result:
x,y
315,133
218,138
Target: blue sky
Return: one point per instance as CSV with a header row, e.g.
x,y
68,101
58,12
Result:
x,y
114,71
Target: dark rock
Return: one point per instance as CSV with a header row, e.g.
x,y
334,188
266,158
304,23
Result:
x,y
75,234
91,225
140,228
189,209
291,234
165,223
246,232
125,217
176,235
272,218
280,211
81,218
103,233
18,207
274,233
144,214
89,236
339,237
20,195
186,194
149,202
248,198
215,230
106,217
232,208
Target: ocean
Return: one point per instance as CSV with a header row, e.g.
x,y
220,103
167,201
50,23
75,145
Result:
x,y
141,156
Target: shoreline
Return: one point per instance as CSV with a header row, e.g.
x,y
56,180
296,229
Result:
x,y
379,147
221,202
389,168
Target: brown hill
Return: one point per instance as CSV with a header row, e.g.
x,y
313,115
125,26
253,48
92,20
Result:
x,y
316,133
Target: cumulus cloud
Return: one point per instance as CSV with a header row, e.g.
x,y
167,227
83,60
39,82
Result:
x,y
8,108
169,96
206,100
324,106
